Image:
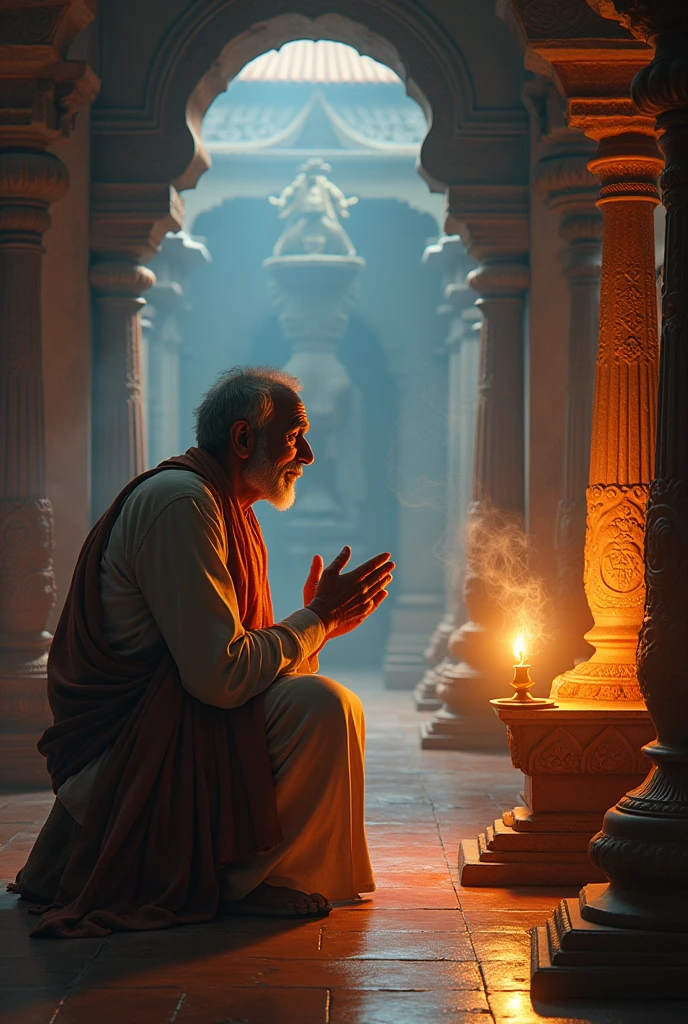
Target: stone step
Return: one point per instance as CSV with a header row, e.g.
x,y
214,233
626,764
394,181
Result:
x,y
571,956
558,869
536,856
502,837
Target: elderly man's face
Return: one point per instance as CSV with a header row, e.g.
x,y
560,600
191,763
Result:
x,y
281,452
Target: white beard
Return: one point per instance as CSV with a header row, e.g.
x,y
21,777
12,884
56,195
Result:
x,y
272,481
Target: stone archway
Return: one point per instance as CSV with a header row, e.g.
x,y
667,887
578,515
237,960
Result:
x,y
146,150
213,41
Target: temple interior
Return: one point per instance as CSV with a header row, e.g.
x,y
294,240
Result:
x,y
489,317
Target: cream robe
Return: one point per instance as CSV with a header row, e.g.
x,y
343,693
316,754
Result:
x,y
164,581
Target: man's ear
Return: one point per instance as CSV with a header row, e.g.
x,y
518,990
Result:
x,y
241,439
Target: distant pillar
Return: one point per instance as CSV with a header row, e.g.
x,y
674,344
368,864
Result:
x,y
466,720
168,310
37,106
563,180
462,344
127,223
418,597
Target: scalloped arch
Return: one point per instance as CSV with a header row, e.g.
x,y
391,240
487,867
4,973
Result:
x,y
213,41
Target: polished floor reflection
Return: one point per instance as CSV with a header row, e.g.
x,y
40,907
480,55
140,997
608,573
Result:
x,y
423,950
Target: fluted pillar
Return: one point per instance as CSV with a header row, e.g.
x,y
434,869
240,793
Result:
x,y
623,427
466,719
39,95
641,916
459,310
563,180
119,440
168,310
127,223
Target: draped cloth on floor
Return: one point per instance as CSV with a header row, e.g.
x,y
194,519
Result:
x,y
187,788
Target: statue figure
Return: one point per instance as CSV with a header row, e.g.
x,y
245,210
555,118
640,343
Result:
x,y
312,205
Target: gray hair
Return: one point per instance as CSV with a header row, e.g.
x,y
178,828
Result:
x,y
242,393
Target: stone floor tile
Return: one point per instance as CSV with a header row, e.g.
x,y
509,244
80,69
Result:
x,y
395,945
228,969
8,831
363,919
519,898
503,920
29,1004
415,898
26,807
408,1007
507,975
48,973
137,1006
266,1006
501,945
517,1008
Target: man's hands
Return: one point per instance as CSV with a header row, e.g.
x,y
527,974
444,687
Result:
x,y
343,600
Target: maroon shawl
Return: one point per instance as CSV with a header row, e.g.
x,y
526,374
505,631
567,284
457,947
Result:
x,y
187,788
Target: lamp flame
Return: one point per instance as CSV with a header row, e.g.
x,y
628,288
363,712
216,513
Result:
x,y
520,649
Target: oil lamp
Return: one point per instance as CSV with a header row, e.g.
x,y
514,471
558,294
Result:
x,y
522,683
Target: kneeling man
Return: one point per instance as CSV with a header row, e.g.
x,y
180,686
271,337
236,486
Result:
x,y
200,762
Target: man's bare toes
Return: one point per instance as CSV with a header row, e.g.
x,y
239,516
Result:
x,y
320,901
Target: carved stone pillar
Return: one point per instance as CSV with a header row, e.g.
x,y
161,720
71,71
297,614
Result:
x,y
466,719
168,309
459,309
639,921
575,756
622,443
40,93
127,223
568,187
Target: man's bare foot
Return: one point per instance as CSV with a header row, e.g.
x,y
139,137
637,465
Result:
x,y
278,901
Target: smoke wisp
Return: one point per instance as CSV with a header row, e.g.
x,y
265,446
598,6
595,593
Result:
x,y
498,552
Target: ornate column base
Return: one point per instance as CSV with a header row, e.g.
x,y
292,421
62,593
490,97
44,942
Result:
x,y
572,958
577,760
466,721
27,594
413,620
425,693
24,710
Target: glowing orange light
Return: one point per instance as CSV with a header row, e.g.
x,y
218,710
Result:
x,y
520,649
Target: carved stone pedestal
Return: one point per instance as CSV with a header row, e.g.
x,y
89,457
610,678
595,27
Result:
x,y
619,962
576,761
